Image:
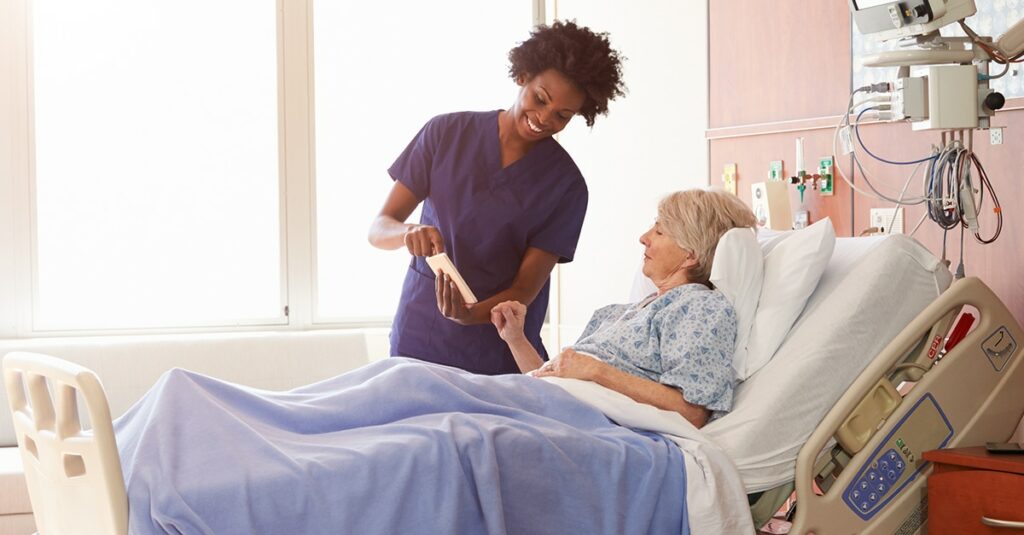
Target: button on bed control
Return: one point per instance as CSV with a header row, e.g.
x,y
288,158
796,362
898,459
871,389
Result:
x,y
869,491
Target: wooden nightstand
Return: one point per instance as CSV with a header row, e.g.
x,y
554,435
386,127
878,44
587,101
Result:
x,y
974,491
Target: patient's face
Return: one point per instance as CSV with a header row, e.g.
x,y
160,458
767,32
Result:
x,y
663,258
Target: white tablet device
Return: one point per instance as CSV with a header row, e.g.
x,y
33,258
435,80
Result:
x,y
441,262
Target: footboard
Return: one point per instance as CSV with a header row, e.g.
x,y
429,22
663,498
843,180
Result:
x,y
73,474
915,396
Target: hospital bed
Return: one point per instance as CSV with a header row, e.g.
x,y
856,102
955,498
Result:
x,y
864,381
863,378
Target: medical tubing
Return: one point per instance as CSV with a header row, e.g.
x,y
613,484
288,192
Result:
x,y
960,266
895,210
920,221
885,98
879,194
987,77
950,187
942,188
845,121
856,130
997,208
949,172
945,232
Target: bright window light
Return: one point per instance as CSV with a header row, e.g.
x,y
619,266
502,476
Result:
x,y
156,163
379,78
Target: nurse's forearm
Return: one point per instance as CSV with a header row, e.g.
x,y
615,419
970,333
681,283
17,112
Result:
x,y
653,393
387,232
388,229
481,312
534,270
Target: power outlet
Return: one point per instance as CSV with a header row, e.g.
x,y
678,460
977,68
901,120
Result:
x,y
995,136
881,218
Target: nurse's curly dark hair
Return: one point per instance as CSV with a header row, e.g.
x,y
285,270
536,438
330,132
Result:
x,y
582,55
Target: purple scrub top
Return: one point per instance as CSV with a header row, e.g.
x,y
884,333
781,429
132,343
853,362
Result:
x,y
488,217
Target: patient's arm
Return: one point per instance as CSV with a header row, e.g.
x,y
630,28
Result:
x,y
640,389
508,317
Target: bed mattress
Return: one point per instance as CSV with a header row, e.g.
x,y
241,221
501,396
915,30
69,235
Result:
x,y
870,290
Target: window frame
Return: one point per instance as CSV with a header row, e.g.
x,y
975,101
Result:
x,y
297,183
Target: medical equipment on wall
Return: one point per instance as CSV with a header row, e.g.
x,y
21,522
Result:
x,y
951,94
820,181
770,204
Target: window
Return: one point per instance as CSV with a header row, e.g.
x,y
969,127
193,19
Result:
x,y
156,164
162,153
379,78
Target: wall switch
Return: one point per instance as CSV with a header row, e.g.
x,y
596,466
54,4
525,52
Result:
x,y
775,170
729,178
995,136
881,218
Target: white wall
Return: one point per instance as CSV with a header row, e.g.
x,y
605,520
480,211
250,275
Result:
x,y
652,142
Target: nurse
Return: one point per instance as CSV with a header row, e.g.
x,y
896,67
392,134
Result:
x,y
500,196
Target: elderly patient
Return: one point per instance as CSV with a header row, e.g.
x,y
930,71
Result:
x,y
672,350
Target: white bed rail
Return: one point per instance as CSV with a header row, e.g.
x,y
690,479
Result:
x,y
74,476
972,395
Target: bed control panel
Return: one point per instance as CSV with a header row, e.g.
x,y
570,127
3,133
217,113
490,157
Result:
x,y
896,462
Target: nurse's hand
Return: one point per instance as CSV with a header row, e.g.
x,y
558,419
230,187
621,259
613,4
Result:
x,y
508,317
423,240
449,300
572,365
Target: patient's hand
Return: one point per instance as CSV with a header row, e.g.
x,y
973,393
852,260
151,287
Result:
x,y
508,318
572,365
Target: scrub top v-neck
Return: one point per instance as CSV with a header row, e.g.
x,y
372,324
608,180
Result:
x,y
488,216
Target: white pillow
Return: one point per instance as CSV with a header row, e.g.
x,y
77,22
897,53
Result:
x,y
793,264
738,272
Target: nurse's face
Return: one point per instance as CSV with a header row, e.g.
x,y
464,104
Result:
x,y
664,259
546,104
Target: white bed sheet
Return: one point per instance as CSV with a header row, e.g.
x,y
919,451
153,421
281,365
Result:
x,y
871,289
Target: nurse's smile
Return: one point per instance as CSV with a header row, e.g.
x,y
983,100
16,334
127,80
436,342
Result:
x,y
536,129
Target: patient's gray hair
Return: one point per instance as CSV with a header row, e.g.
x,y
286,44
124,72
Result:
x,y
696,219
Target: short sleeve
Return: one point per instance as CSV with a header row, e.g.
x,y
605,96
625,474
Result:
x,y
413,165
696,338
561,231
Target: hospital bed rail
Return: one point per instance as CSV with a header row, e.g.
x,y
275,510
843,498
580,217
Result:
x,y
861,470
73,474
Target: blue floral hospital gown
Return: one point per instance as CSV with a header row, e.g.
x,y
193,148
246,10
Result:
x,y
685,339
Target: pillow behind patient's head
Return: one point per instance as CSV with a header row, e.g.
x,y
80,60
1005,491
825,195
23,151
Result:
x,y
738,272
793,265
